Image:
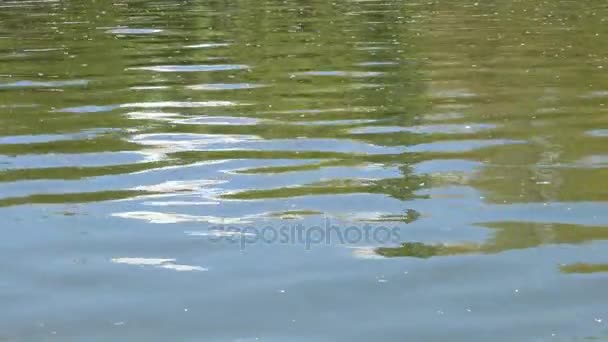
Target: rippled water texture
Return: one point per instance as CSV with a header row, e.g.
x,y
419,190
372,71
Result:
x,y
132,132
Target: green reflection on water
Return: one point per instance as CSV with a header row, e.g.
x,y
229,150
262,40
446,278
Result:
x,y
583,268
326,74
508,236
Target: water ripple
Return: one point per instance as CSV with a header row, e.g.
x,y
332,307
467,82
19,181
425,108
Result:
x,y
470,135
193,68
44,84
225,86
134,31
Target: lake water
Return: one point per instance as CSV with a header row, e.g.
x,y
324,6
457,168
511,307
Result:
x,y
303,170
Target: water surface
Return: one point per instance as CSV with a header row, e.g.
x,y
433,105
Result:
x,y
133,132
